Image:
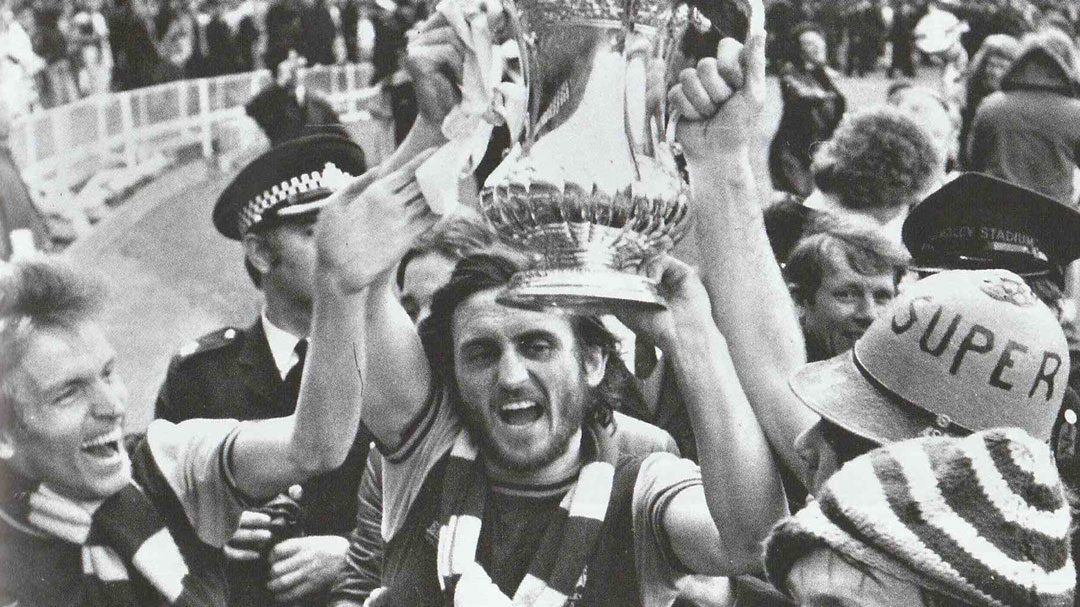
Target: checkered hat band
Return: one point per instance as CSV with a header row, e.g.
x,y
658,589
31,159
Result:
x,y
252,212
984,515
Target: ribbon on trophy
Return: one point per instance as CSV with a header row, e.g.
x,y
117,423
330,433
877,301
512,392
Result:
x,y
486,101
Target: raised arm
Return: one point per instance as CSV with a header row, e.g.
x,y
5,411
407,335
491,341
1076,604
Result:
x,y
434,53
361,234
398,372
715,528
721,103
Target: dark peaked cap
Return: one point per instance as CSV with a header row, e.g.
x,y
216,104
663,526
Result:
x,y
978,222
286,183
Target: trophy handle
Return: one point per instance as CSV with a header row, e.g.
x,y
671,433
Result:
x,y
665,122
526,54
756,10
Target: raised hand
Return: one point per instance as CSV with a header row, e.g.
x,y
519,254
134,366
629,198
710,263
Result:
x,y
289,69
683,293
369,226
678,284
435,57
721,100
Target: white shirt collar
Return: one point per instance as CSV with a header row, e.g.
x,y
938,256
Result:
x,y
282,345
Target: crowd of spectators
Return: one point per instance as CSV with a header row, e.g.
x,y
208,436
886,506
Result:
x,y
865,36
1008,111
70,50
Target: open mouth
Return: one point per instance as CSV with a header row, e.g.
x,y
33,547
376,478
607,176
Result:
x,y
520,413
104,446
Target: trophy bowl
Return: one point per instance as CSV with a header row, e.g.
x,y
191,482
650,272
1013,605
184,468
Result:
x,y
587,243
593,188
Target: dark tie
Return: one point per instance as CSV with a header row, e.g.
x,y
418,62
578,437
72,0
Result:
x,y
292,378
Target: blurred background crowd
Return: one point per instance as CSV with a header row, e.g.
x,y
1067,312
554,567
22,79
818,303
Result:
x,y
940,60
59,51
866,35
68,50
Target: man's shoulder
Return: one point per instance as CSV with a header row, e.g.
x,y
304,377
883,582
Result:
x,y
999,102
171,461
268,99
37,570
317,104
210,348
640,437
183,469
216,371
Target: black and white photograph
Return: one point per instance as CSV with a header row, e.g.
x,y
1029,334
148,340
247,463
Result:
x,y
539,303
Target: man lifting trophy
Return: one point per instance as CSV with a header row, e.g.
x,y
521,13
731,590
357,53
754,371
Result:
x,y
591,187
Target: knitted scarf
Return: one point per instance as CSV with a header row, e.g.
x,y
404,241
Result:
x,y
119,535
560,560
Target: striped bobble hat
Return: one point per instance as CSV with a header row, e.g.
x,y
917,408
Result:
x,y
982,519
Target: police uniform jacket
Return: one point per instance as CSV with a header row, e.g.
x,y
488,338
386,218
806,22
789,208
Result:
x,y
230,373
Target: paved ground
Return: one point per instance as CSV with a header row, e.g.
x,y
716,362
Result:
x,y
174,278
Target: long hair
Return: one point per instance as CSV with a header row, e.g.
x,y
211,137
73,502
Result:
x,y
995,45
482,272
1053,49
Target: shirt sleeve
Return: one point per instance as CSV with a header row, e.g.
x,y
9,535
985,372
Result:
x,y
428,438
194,457
661,477
362,573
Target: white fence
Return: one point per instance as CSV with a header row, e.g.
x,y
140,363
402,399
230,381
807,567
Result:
x,y
61,148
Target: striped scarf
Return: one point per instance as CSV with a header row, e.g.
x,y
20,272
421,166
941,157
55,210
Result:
x,y
983,519
119,535
560,560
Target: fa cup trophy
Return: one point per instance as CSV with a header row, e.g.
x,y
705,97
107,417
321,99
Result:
x,y
592,188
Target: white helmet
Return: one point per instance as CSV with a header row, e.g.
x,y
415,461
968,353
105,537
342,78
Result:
x,y
959,352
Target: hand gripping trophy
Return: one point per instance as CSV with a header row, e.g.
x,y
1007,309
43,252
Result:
x,y
591,188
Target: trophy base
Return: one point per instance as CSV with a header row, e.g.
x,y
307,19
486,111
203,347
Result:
x,y
580,291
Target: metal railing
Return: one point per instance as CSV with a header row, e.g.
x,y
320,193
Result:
x,y
64,146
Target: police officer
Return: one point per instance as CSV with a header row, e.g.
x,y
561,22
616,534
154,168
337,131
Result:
x,y
254,373
980,222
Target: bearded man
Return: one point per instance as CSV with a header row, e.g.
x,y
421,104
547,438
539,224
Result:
x,y
500,442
